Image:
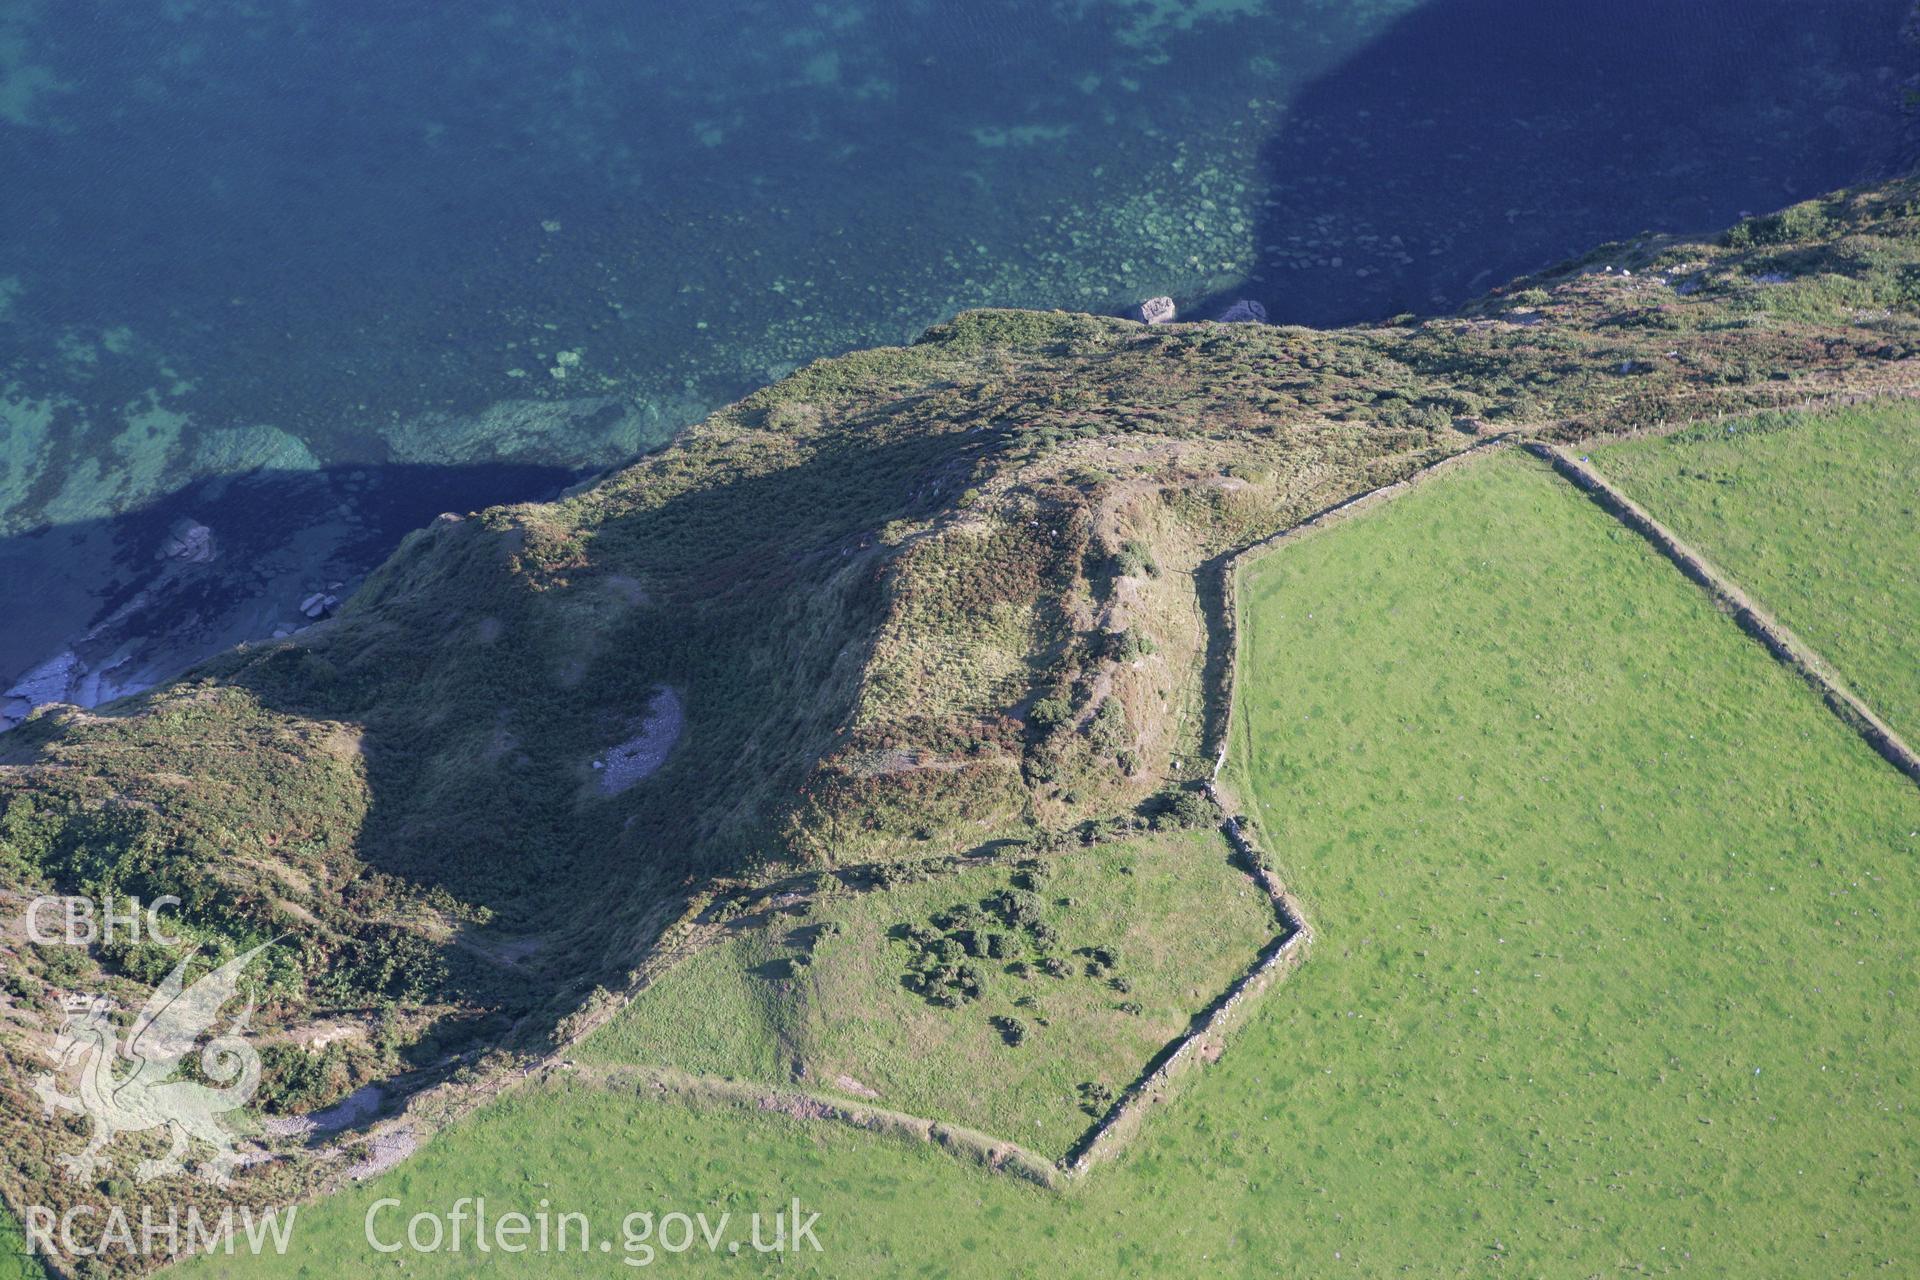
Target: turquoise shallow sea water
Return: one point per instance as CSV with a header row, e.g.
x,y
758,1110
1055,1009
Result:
x,y
306,273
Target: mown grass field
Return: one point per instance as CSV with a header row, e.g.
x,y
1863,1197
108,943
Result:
x,y
1616,969
1181,920
1818,516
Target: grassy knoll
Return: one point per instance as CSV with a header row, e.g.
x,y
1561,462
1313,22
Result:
x,y
1815,514
1615,972
1015,997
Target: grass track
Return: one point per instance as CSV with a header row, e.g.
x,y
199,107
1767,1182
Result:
x,y
1616,970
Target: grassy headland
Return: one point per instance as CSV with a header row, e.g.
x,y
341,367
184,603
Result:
x,y
921,600
1600,984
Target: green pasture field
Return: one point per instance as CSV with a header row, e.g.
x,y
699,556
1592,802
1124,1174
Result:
x,y
821,988
1817,515
1616,970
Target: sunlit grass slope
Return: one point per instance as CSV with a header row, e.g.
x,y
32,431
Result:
x,y
15,1263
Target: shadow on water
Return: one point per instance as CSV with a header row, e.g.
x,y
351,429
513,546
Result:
x,y
1475,140
128,601
106,594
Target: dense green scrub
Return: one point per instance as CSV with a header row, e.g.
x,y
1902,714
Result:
x,y
1815,514
1057,1016
1615,968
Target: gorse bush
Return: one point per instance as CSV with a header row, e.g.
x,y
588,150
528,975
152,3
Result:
x,y
1808,221
1050,713
1107,731
1181,810
1134,559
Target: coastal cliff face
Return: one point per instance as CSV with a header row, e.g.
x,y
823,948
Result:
x,y
906,602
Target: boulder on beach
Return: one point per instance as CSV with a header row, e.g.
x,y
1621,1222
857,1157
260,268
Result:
x,y
1157,310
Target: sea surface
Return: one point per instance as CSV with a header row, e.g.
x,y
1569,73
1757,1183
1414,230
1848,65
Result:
x,y
301,274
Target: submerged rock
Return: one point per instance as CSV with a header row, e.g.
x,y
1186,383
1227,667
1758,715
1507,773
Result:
x,y
1245,311
187,541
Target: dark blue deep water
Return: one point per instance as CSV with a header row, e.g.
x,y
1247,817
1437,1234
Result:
x,y
306,273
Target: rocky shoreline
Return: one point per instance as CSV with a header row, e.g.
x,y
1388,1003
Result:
x,y
112,608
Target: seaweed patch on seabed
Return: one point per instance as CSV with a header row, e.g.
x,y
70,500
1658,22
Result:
x,y
641,756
